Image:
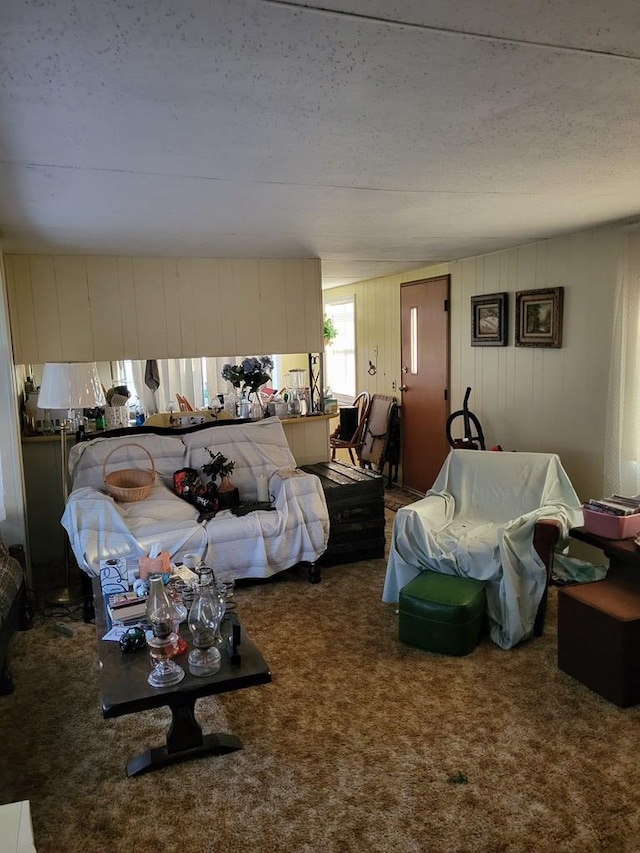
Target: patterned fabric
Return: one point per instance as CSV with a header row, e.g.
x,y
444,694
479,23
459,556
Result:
x,y
10,580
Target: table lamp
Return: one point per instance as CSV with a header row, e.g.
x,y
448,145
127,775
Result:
x,y
69,385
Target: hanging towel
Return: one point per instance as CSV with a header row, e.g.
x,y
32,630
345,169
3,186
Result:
x,y
151,374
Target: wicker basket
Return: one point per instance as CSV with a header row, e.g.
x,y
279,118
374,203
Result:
x,y
129,484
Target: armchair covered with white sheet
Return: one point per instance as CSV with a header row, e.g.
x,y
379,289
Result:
x,y
479,520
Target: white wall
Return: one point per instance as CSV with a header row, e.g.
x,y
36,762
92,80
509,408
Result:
x,y
526,398
544,399
77,308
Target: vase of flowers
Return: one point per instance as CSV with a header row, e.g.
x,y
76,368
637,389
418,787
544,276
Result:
x,y
249,376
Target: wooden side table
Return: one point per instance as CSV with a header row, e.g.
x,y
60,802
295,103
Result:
x,y
623,554
599,623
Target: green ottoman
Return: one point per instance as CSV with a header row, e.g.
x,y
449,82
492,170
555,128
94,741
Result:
x,y
442,613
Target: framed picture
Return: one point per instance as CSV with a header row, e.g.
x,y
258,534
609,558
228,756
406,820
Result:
x,y
489,320
539,317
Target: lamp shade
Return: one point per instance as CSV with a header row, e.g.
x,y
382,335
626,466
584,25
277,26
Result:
x,y
70,386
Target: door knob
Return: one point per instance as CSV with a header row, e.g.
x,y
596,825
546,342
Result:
x,y
403,388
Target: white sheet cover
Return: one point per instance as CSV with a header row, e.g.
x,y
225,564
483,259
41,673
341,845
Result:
x,y
477,521
258,544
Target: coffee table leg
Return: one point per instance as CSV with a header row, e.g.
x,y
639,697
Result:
x,y
184,741
315,575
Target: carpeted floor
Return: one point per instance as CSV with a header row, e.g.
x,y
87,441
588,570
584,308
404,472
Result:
x,y
360,743
396,496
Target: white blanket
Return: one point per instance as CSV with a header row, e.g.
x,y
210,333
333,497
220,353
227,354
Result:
x,y
255,545
258,544
478,521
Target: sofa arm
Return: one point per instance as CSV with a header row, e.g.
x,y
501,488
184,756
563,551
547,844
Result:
x,y
286,484
546,534
299,495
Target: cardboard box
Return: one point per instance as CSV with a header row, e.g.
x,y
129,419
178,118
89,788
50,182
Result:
x,y
113,575
154,565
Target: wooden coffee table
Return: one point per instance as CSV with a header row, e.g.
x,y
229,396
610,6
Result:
x,y
125,690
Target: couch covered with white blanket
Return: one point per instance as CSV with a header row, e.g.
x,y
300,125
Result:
x,y
256,545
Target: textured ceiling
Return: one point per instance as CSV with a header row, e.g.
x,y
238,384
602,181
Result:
x,y
377,136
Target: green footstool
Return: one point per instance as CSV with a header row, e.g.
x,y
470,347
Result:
x,y
442,613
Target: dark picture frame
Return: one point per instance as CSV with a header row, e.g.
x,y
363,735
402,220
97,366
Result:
x,y
489,320
539,317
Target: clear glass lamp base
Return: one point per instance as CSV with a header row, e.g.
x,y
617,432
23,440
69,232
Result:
x,y
165,673
203,662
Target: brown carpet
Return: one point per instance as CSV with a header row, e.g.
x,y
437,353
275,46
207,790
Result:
x,y
396,496
359,744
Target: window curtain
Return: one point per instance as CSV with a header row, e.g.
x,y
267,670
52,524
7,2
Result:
x,y
213,372
197,379
622,432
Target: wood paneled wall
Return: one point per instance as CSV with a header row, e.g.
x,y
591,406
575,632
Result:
x,y
77,308
544,400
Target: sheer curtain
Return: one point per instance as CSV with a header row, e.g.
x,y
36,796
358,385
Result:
x,y
197,379
622,435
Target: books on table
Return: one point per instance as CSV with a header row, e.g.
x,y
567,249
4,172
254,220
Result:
x,y
124,607
615,505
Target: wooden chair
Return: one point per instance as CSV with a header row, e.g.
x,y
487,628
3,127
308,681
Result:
x,y
375,440
183,403
338,441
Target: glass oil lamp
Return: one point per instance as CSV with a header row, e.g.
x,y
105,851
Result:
x,y
180,613
220,599
204,619
163,644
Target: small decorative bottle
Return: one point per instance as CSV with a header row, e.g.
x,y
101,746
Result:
x,y
244,406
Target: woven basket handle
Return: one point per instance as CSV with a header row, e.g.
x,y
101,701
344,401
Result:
x,y
119,447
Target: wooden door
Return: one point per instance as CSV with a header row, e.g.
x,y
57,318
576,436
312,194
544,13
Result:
x,y
424,309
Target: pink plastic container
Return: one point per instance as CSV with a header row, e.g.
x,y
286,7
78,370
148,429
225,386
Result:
x,y
611,526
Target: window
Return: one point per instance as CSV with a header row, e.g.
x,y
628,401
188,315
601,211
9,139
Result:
x,y
198,379
340,357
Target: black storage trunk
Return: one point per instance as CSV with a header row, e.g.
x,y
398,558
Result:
x,y
355,499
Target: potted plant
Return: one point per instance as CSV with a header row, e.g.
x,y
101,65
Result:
x,y
330,333
220,466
